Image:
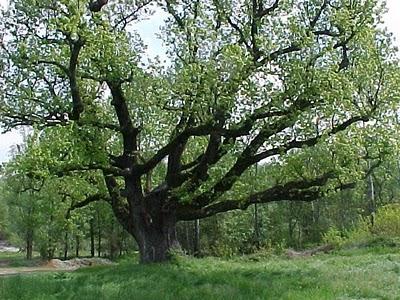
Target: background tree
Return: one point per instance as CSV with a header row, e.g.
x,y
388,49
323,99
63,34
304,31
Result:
x,y
3,214
285,83
46,210
23,211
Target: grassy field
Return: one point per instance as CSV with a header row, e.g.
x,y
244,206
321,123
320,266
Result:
x,y
356,274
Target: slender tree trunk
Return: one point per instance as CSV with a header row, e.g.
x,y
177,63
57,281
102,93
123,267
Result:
x,y
77,245
50,246
196,243
187,244
371,196
256,227
66,246
29,244
50,249
299,237
99,244
92,250
291,225
256,220
121,246
99,233
113,238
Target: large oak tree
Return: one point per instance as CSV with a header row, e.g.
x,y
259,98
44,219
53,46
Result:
x,y
292,84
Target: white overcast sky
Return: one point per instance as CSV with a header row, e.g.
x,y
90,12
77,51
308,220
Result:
x,y
148,29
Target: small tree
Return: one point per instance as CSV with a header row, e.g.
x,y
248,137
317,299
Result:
x,y
285,83
24,218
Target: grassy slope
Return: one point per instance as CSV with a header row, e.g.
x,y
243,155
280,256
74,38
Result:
x,y
347,275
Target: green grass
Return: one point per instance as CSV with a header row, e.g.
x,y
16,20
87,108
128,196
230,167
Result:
x,y
11,255
350,274
12,259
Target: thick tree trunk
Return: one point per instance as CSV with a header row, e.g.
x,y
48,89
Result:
x,y
150,219
156,237
155,244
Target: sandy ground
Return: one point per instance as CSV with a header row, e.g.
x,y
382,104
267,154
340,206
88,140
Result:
x,y
53,265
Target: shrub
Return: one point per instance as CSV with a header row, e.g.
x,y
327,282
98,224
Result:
x,y
384,231
334,237
360,234
387,221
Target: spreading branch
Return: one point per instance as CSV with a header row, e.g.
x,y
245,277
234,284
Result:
x,y
88,200
303,190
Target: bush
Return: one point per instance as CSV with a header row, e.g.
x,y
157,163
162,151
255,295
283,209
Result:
x,y
384,231
360,235
387,221
334,237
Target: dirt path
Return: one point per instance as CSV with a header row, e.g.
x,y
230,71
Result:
x,y
54,265
30,270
